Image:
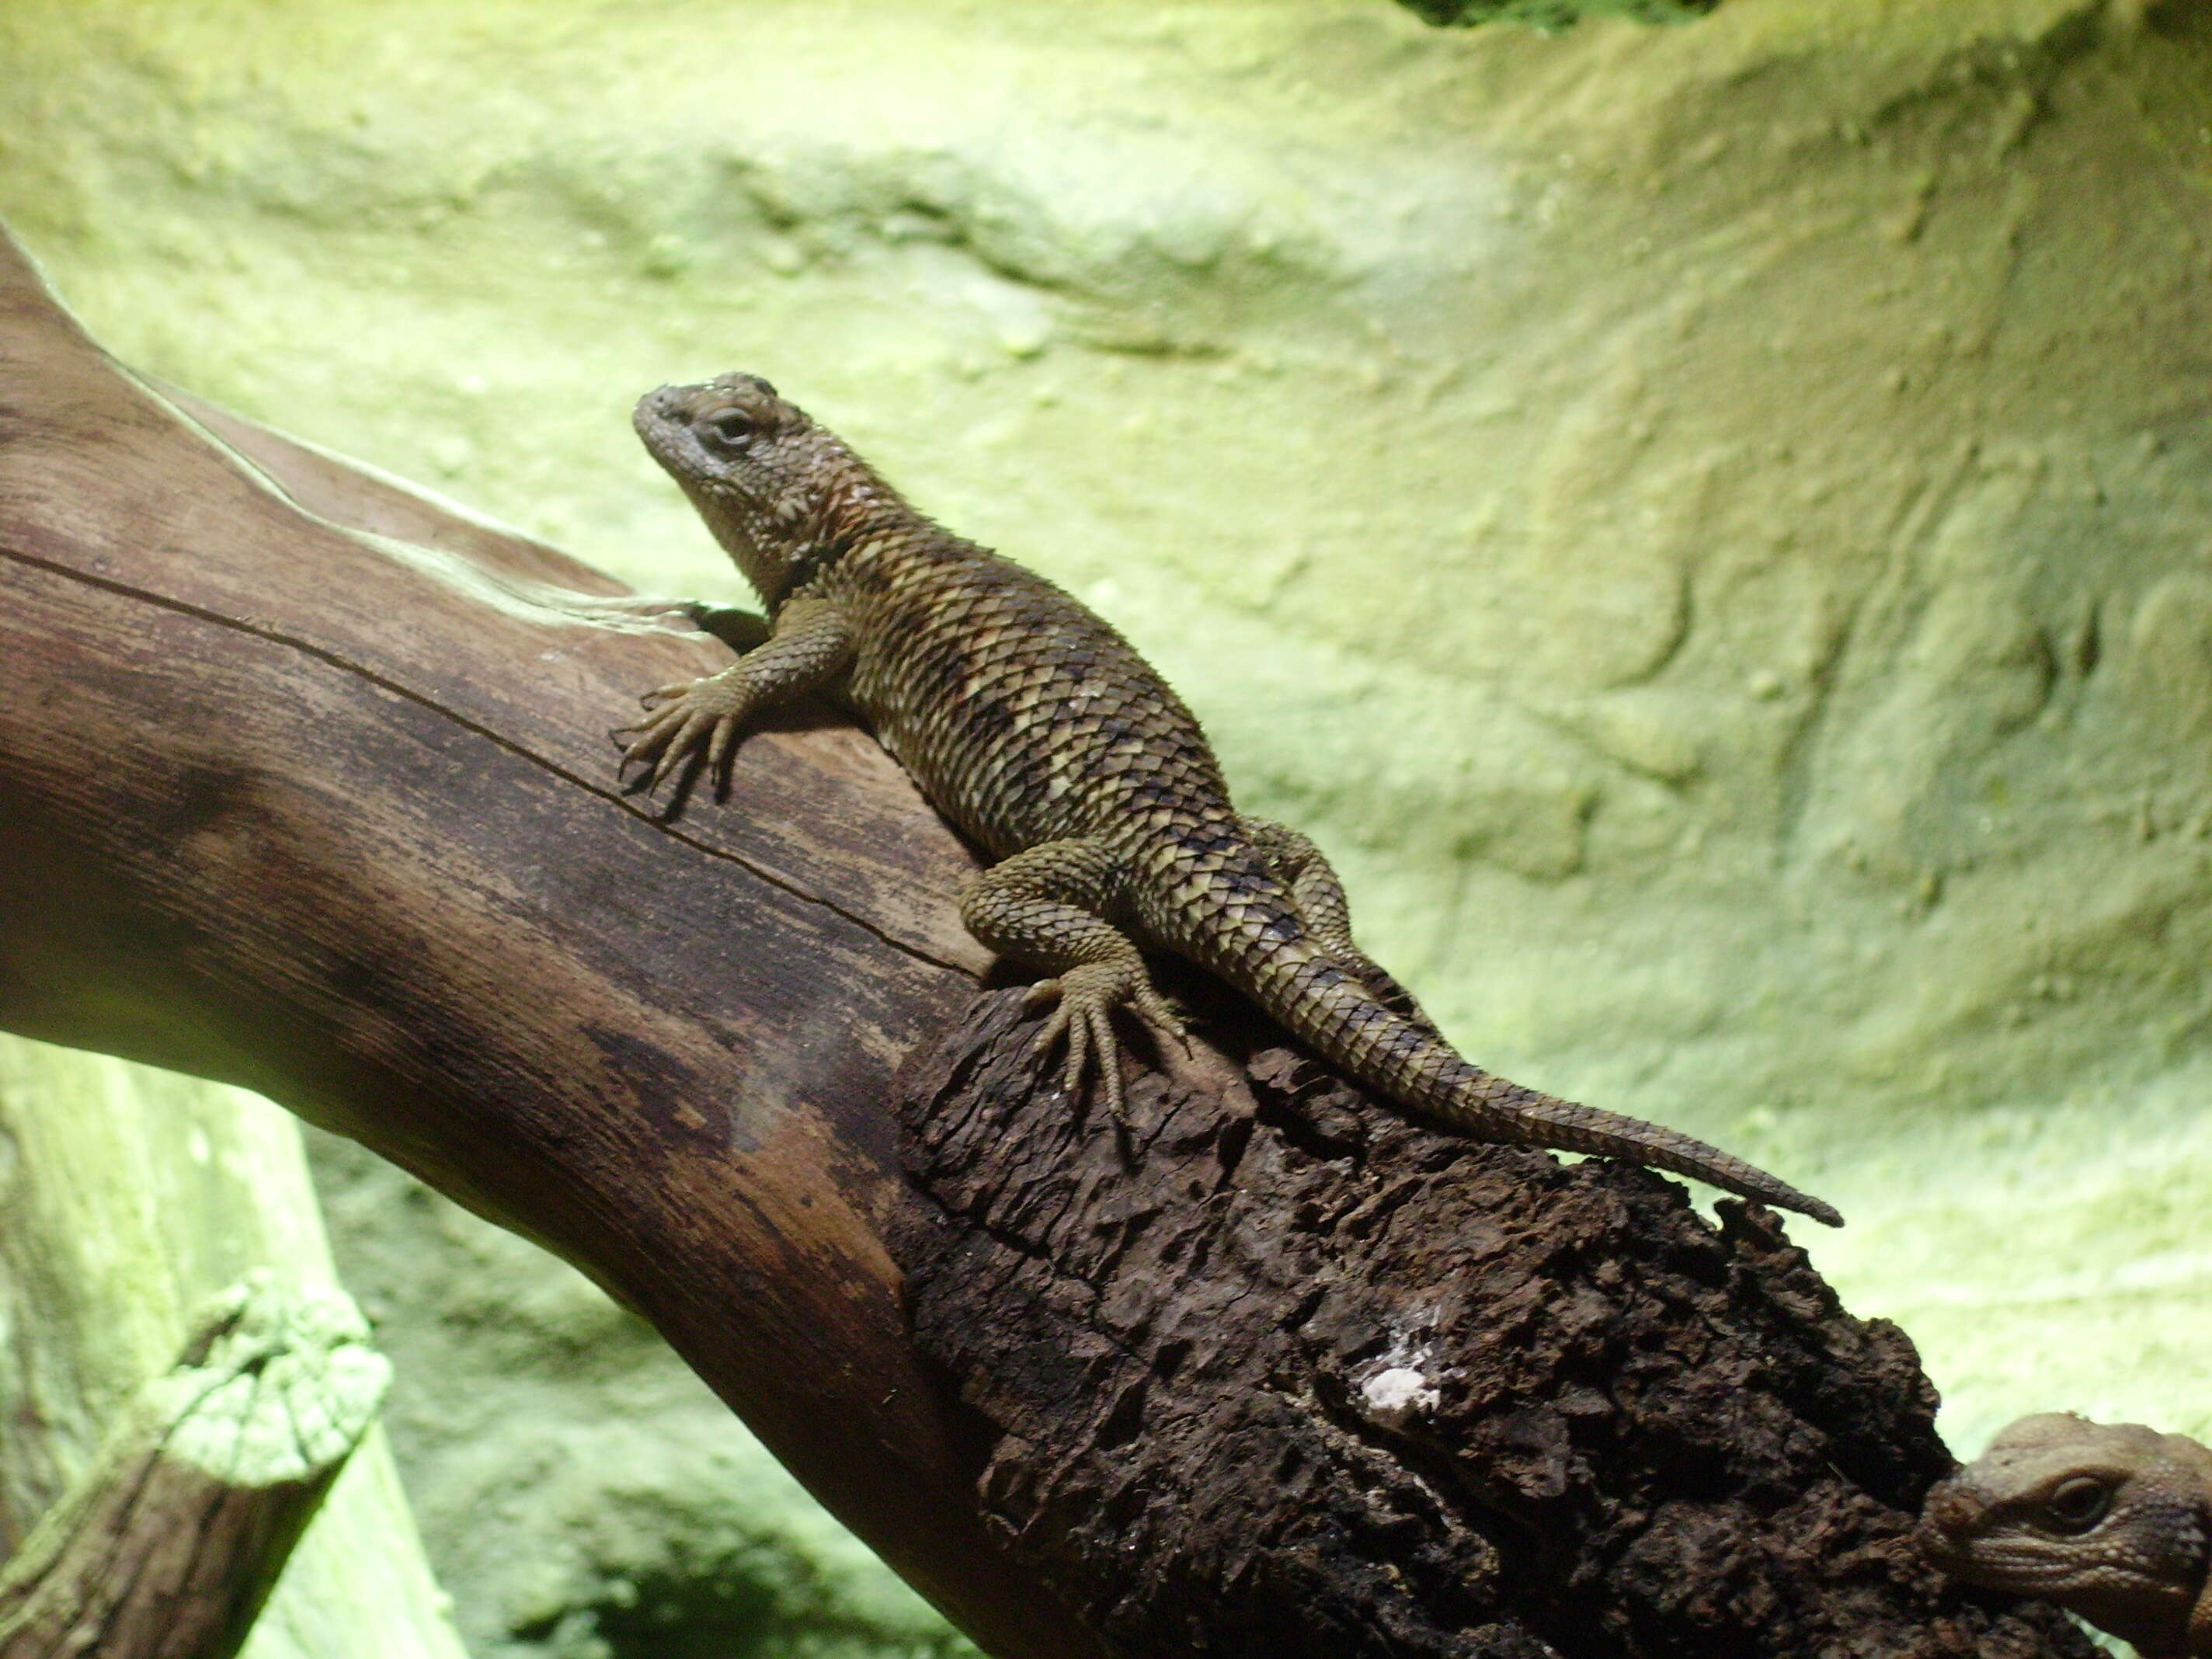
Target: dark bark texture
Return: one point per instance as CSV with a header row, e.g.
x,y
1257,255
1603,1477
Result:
x,y
1275,1371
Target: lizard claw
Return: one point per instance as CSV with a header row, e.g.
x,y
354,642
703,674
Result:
x,y
662,695
679,719
1085,999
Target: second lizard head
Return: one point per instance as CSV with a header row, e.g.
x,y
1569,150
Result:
x,y
780,493
2107,1519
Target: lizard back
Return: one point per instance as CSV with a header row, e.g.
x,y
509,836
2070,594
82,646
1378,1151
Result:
x,y
1022,714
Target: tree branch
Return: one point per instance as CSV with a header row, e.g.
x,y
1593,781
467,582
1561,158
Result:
x,y
167,1548
333,815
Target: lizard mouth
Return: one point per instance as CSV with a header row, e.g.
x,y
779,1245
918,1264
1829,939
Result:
x,y
1940,1549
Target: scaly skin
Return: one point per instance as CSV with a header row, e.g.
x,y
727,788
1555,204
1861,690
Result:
x,y
2113,1520
1036,729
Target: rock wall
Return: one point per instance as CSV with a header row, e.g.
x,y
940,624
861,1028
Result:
x,y
1710,526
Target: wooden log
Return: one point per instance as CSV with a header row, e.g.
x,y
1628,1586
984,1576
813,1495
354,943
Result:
x,y
167,1548
305,785
1278,1372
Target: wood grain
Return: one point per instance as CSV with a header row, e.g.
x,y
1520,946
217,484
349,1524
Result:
x,y
305,784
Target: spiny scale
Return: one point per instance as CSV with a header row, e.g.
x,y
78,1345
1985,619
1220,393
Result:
x,y
1040,732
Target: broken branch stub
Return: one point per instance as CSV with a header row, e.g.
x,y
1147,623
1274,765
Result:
x,y
1276,1372
167,1546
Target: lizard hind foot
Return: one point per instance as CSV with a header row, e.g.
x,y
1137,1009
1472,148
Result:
x,y
1084,999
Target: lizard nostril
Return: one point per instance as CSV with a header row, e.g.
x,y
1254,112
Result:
x,y
1950,1512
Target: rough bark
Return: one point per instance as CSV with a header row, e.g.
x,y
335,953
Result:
x,y
1277,1372
167,1547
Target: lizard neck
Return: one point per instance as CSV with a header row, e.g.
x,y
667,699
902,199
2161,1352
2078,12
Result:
x,y
845,523
2194,1461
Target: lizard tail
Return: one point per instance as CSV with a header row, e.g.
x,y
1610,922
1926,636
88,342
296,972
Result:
x,y
1344,1022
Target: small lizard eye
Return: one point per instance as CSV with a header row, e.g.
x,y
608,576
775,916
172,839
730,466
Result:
x,y
2078,1505
730,428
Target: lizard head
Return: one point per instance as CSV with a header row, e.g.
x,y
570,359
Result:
x,y
783,495
2108,1519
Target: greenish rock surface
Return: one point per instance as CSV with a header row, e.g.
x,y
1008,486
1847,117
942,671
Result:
x,y
1711,527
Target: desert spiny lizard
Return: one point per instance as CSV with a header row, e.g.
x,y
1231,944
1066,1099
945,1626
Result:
x,y
1032,724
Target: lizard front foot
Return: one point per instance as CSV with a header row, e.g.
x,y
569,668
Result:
x,y
690,712
1086,997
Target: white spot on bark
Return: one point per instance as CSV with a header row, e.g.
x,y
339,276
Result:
x,y
1400,1393
1400,1388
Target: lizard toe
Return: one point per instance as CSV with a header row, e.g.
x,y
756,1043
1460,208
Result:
x,y
1109,1059
1056,1025
1162,1015
681,747
1084,999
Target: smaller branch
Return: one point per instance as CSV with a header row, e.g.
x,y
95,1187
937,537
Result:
x,y
168,1546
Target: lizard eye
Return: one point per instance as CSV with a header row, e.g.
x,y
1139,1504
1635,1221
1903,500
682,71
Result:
x,y
730,428
2078,1505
